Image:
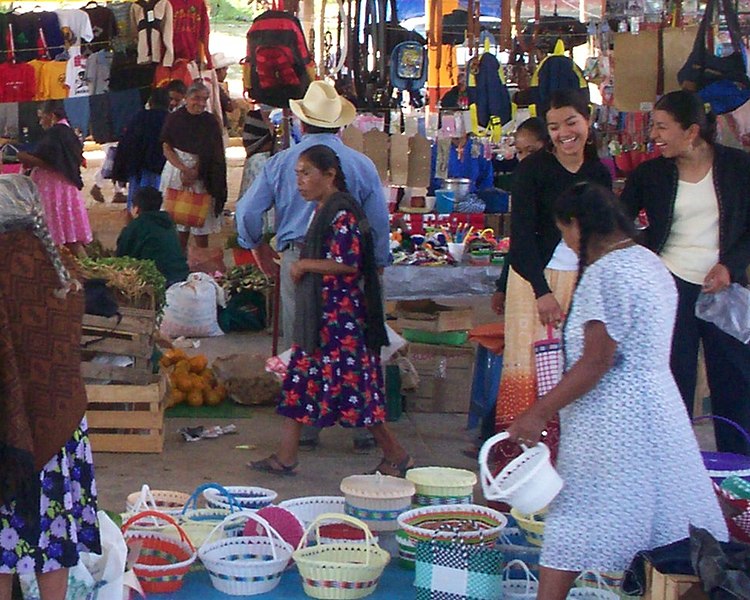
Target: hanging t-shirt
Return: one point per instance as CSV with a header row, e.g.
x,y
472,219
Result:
x,y
17,82
126,35
75,25
103,26
98,69
51,80
190,29
25,35
53,37
75,76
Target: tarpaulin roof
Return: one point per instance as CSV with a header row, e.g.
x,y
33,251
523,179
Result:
x,y
408,9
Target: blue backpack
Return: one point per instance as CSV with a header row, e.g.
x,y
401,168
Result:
x,y
555,72
409,66
487,91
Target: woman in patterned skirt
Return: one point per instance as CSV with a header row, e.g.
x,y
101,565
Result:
x,y
633,473
56,169
47,487
334,374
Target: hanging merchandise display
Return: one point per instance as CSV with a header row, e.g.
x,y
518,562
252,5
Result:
x,y
556,72
153,19
190,31
409,67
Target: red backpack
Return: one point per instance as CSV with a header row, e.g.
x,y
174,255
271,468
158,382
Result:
x,y
278,66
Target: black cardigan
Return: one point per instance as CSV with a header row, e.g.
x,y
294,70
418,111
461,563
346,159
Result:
x,y
537,183
653,187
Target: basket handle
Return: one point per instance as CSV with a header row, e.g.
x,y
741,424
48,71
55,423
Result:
x,y
233,506
600,583
143,500
337,517
737,426
162,517
250,516
484,454
529,575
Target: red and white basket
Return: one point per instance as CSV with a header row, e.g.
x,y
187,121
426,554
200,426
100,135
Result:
x,y
739,523
162,561
548,358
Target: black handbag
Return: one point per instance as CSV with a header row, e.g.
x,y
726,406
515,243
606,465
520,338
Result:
x,y
703,67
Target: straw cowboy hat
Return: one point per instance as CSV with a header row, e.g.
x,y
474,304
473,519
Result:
x,y
220,60
323,107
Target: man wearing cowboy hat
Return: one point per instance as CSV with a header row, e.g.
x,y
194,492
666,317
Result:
x,y
322,113
221,64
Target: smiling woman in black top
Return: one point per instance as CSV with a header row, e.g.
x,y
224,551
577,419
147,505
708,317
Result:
x,y
542,268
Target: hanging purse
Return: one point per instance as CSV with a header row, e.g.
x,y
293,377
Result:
x,y
455,569
187,207
710,62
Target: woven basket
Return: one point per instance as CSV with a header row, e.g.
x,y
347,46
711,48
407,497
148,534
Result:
x,y
163,501
407,549
585,591
199,522
245,565
248,497
512,543
519,589
162,561
721,465
478,524
309,508
377,499
531,525
441,485
344,571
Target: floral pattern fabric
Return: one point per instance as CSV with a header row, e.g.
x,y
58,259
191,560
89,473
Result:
x,y
67,510
342,381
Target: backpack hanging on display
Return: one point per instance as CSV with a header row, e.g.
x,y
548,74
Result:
x,y
555,72
487,92
409,66
278,66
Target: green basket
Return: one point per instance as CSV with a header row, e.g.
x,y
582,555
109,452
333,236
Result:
x,y
443,338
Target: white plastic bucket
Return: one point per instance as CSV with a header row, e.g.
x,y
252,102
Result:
x,y
528,483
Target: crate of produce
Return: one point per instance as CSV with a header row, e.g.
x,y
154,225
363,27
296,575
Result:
x,y
445,375
126,418
118,349
426,315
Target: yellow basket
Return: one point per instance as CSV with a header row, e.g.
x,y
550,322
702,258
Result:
x,y
531,525
340,571
443,482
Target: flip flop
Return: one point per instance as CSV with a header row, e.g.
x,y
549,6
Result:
x,y
387,467
272,464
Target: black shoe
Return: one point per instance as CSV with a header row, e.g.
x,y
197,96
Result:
x,y
308,444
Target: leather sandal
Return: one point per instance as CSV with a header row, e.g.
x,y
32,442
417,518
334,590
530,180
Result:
x,y
272,464
387,467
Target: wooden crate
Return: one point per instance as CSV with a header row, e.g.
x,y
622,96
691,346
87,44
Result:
x,y
664,586
426,315
133,336
445,375
127,418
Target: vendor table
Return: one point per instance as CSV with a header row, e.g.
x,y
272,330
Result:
x,y
403,282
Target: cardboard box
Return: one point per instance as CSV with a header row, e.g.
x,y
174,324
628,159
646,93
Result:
x,y
664,586
499,223
445,375
426,315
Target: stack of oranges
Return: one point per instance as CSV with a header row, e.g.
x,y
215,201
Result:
x,y
191,380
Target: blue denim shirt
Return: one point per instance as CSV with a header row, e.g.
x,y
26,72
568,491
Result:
x,y
277,186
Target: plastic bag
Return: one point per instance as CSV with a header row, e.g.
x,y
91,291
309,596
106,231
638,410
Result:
x,y
80,584
728,309
191,307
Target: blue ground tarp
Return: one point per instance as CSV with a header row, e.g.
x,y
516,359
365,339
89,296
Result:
x,y
395,584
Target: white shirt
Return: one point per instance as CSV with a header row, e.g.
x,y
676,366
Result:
x,y
692,247
75,25
75,74
563,258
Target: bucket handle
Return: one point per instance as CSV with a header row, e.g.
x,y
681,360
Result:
x,y
484,454
529,575
369,541
250,515
737,426
193,500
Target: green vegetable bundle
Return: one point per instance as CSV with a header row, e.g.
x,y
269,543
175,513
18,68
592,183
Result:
x,y
245,278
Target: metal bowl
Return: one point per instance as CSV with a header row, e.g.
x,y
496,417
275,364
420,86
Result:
x,y
460,186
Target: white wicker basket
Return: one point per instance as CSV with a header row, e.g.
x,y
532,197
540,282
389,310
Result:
x,y
163,501
342,571
309,508
248,497
199,522
599,591
377,499
245,566
519,589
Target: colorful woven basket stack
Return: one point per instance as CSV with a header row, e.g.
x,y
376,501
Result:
x,y
162,561
340,571
247,497
441,485
377,499
531,525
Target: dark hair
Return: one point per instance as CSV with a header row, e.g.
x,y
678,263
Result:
x,y
316,129
54,108
576,99
598,213
534,126
688,109
323,158
147,199
176,85
159,99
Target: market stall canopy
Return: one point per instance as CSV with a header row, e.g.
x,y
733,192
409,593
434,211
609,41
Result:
x,y
409,9
548,30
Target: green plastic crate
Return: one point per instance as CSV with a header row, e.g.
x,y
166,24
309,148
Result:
x,y
442,338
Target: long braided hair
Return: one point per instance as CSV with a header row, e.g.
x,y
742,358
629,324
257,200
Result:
x,y
598,213
322,157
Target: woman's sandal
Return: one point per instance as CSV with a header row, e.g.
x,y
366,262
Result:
x,y
387,467
272,464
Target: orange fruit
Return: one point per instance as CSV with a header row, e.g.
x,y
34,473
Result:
x,y
176,397
212,397
221,390
195,398
198,363
183,382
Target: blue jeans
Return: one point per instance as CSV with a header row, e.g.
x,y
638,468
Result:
x,y
727,369
143,179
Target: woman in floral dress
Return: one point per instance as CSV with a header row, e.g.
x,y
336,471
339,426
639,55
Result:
x,y
334,374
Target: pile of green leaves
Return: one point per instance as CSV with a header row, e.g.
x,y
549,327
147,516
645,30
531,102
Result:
x,y
245,278
132,277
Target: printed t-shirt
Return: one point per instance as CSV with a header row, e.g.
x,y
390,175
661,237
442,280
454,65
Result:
x,y
17,82
75,76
